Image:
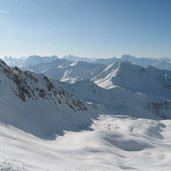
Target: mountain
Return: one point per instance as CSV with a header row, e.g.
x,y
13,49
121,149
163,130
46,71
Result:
x,y
25,91
28,61
11,61
107,60
161,63
46,67
120,100
81,70
68,71
33,104
52,125
142,61
150,87
35,59
73,58
150,80
108,88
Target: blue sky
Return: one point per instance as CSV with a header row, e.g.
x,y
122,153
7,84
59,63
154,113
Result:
x,y
91,28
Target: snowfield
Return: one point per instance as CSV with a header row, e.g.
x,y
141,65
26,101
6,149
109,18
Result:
x,y
114,143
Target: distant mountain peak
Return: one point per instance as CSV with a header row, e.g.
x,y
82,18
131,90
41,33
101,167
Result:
x,y
128,66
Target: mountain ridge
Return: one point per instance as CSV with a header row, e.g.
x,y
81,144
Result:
x,y
32,97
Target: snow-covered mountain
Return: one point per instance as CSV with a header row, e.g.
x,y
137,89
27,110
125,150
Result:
x,y
120,100
28,61
132,90
32,103
161,63
35,59
52,125
150,61
12,61
107,61
68,71
150,80
135,78
150,87
73,58
48,66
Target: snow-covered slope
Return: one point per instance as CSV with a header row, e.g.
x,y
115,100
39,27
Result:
x,y
134,91
132,88
115,143
119,100
82,70
67,71
149,80
51,125
33,104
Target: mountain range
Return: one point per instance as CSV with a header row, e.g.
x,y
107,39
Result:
x,y
161,63
57,113
121,88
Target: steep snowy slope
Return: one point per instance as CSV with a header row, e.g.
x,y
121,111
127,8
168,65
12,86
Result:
x,y
150,81
82,70
32,103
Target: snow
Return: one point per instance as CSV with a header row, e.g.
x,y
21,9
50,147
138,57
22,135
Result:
x,y
161,63
115,143
119,100
121,74
43,115
51,125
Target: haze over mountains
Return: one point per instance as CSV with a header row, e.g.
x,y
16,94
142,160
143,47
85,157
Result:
x,y
84,114
161,63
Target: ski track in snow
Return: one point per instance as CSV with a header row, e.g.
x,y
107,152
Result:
x,y
115,143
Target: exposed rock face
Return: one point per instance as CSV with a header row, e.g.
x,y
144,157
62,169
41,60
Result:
x,y
35,86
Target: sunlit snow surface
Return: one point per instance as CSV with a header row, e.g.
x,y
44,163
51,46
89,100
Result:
x,y
115,143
